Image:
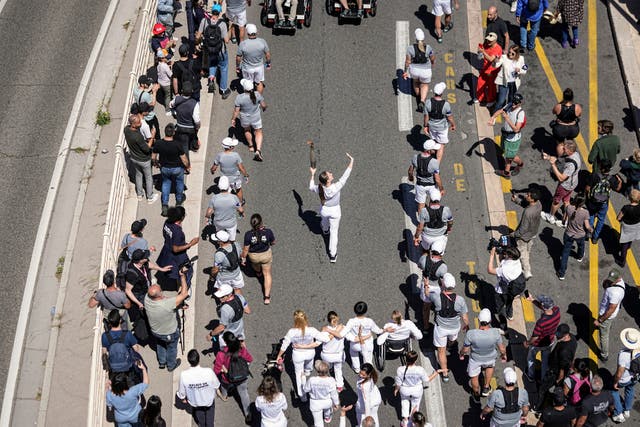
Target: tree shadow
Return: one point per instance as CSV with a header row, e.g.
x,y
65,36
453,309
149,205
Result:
x,y
583,319
310,217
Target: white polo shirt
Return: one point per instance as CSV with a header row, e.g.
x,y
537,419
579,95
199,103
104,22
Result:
x,y
198,385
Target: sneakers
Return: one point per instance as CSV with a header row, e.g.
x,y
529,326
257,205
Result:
x,y
178,362
140,198
560,276
449,27
333,258
328,419
226,93
420,107
565,44
576,42
485,391
325,232
619,418
475,398
504,174
546,216
627,414
445,378
234,40
153,198
211,88
580,259
514,6
165,210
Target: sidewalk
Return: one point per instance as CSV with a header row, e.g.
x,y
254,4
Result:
x,y
624,16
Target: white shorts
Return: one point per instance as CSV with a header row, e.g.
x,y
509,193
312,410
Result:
x,y
432,291
255,125
427,241
238,18
255,74
234,283
441,7
231,230
441,336
440,136
474,368
421,74
235,182
422,191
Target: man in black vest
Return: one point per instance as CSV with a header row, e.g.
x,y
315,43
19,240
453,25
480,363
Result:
x,y
426,170
187,113
437,119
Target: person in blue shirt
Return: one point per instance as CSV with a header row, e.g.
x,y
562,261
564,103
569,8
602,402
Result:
x,y
527,13
125,401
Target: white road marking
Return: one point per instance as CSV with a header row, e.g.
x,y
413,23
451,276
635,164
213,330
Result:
x,y
433,394
43,227
405,113
3,3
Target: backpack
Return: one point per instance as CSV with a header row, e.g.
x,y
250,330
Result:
x,y
580,388
212,38
516,286
188,75
533,5
121,270
419,57
238,369
120,358
576,171
634,367
510,401
232,257
437,105
431,268
236,305
435,217
422,171
447,306
599,193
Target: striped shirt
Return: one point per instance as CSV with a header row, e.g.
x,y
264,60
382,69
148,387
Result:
x,y
545,329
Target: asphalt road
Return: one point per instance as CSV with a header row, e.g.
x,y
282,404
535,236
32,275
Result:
x,y
333,84
42,64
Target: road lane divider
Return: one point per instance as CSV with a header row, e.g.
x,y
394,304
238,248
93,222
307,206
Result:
x,y
433,398
405,109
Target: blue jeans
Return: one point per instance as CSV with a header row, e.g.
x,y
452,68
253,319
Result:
x,y
167,349
505,95
221,61
568,244
565,33
529,38
169,176
600,213
629,393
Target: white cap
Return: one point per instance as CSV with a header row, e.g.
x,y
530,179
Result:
x,y
221,236
229,142
439,88
439,246
223,183
484,316
251,29
223,291
419,34
434,194
246,84
449,281
510,376
430,144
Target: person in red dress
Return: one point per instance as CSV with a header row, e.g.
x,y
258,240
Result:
x,y
490,51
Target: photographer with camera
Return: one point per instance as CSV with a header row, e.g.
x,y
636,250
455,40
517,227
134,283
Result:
x,y
527,229
174,250
163,321
504,262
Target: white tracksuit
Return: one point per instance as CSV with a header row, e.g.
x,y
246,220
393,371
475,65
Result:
x,y
302,358
360,326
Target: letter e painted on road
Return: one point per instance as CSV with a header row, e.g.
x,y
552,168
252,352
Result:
x,y
460,185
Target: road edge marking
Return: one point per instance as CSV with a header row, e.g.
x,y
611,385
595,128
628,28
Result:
x,y
45,218
405,115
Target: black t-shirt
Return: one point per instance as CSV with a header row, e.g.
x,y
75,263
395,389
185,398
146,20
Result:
x,y
551,417
169,153
562,355
596,408
180,66
138,280
631,214
499,27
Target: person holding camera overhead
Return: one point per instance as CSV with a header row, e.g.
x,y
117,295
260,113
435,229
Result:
x,y
511,281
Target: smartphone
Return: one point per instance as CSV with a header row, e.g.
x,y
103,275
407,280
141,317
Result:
x,y
526,293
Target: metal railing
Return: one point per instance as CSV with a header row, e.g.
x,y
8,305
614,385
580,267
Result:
x,y
111,236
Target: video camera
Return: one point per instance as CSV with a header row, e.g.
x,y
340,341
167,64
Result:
x,y
501,244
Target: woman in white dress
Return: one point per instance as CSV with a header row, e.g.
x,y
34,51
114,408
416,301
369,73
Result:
x,y
411,380
333,350
323,394
304,339
271,404
330,213
369,398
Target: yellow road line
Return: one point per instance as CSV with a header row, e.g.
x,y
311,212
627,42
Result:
x,y
512,219
593,295
527,310
484,18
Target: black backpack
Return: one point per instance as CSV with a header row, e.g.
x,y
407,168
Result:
x,y
212,38
437,105
422,171
634,367
188,75
430,268
516,286
232,257
236,305
533,5
510,401
420,57
447,306
435,217
238,370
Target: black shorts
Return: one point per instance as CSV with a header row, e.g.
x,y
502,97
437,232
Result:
x,y
564,132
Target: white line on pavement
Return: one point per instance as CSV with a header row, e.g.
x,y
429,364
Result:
x,y
3,3
405,114
433,394
43,227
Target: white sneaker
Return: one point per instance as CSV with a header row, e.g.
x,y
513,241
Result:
x,y
514,6
627,414
140,198
556,221
619,418
153,198
546,216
